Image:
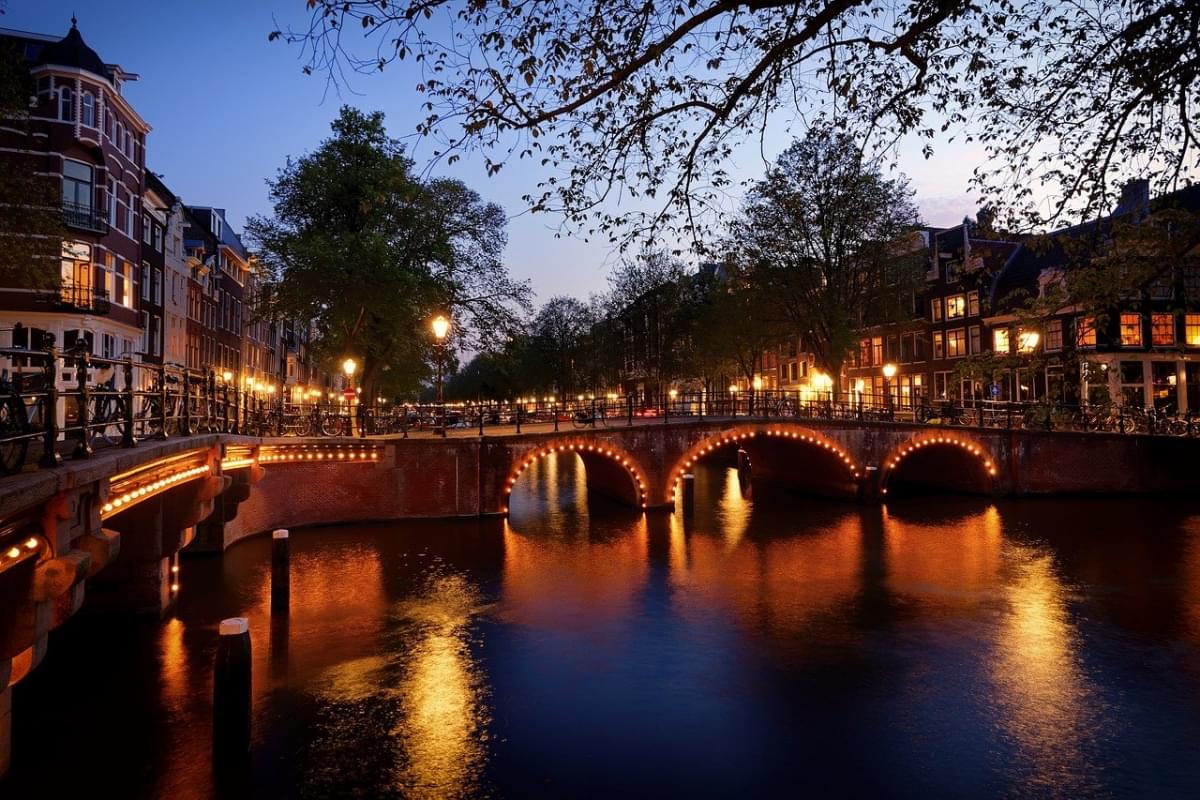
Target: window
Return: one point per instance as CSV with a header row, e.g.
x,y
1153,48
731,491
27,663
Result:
x,y
112,201
88,116
939,345
108,344
1085,332
147,226
1054,340
157,238
1000,340
956,306
1162,329
864,353
893,348
976,339
935,309
109,130
158,286
1027,341
973,304
877,350
144,279
956,343
66,105
120,140
1131,330
123,284
77,185
1191,329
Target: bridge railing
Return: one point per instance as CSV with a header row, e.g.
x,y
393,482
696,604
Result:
x,y
67,404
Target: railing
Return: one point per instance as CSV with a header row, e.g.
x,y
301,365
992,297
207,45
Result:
x,y
55,405
81,297
85,218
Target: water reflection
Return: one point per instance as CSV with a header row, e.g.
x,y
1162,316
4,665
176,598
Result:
x,y
933,647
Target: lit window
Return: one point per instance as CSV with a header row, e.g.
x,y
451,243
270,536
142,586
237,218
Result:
x,y
1000,340
1131,330
1085,332
877,350
1054,338
1191,329
956,343
956,306
1027,341
935,309
1162,329
864,353
939,345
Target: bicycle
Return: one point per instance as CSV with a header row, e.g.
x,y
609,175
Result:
x,y
583,418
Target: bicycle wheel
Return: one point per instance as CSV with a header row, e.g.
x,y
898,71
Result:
x,y
333,426
581,419
13,424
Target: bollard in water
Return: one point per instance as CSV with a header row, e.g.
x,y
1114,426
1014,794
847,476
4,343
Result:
x,y
280,587
231,690
688,490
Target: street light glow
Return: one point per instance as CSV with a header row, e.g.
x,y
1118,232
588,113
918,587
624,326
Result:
x,y
441,326
889,371
349,366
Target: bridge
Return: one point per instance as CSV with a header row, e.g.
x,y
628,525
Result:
x,y
113,524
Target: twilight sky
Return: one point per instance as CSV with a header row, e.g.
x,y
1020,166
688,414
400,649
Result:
x,y
227,108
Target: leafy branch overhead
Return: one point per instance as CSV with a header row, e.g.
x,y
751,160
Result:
x,y
648,99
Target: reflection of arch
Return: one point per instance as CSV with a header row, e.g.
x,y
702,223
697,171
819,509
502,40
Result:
x,y
926,441
736,435
607,467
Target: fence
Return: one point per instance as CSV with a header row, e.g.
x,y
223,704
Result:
x,y
55,405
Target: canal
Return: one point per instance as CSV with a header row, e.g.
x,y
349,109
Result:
x,y
939,646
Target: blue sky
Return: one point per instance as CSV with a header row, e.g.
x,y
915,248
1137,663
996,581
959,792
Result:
x,y
227,108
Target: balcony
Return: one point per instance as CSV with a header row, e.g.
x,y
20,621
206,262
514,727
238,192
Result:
x,y
79,297
85,218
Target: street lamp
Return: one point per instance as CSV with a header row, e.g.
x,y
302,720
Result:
x,y
441,327
349,367
889,372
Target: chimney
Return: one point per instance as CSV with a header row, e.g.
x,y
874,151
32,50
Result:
x,y
1135,197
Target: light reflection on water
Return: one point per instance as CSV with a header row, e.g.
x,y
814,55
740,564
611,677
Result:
x,y
944,646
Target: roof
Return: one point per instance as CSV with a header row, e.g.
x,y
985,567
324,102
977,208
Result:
x,y
228,237
72,51
1020,275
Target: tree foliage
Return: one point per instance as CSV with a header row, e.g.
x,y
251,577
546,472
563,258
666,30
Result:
x,y
651,98
369,253
828,240
31,227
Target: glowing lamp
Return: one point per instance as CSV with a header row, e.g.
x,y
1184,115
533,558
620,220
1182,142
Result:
x,y
441,326
889,371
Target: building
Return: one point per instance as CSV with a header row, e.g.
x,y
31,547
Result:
x,y
85,134
974,341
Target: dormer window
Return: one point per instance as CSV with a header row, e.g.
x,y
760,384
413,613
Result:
x,y
216,224
88,117
66,105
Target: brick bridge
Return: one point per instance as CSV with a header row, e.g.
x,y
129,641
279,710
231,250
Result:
x,y
115,524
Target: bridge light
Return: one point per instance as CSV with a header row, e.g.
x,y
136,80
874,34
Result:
x,y
13,552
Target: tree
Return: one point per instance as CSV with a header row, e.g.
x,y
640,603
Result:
x,y
651,302
369,253
828,240
31,226
737,325
558,341
651,97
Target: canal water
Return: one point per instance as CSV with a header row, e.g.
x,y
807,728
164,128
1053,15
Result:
x,y
775,646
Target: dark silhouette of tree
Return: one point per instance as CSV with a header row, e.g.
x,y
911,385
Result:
x,y
649,99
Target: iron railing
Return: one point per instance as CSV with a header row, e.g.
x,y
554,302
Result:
x,y
87,218
55,405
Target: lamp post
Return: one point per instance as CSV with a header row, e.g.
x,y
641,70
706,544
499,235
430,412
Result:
x,y
756,386
441,327
889,372
226,377
349,367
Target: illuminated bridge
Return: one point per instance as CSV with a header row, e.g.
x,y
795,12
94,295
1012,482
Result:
x,y
114,524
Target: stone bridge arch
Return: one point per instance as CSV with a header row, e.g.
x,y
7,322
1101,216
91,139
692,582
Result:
x,y
764,443
611,470
942,459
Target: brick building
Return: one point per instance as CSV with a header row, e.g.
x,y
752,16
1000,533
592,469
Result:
x,y
85,134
